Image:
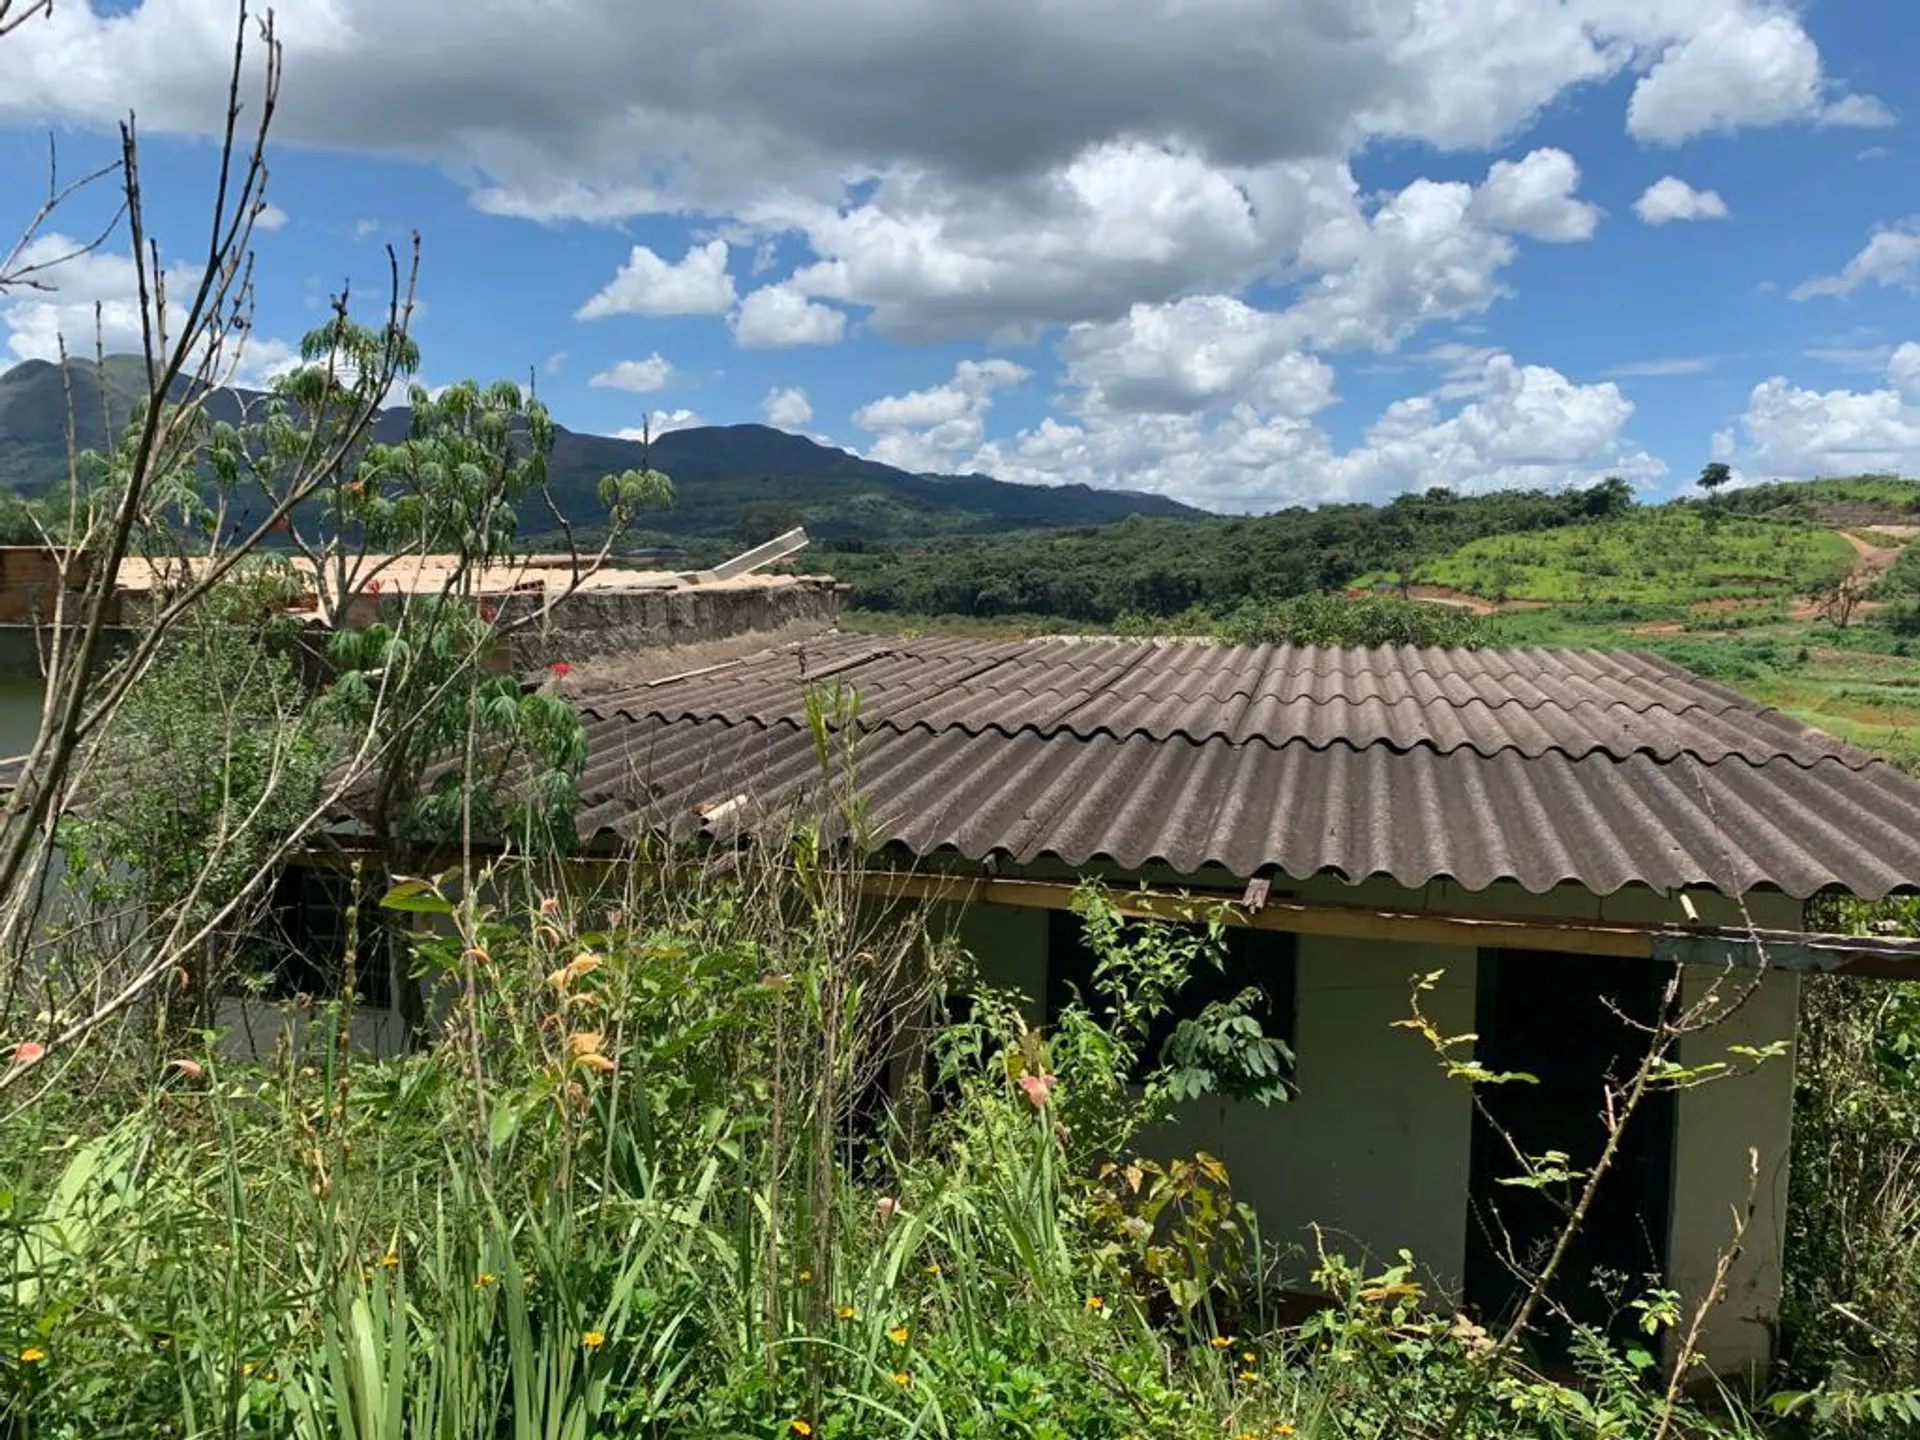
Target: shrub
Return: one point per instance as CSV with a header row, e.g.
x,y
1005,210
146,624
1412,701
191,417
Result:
x,y
1352,620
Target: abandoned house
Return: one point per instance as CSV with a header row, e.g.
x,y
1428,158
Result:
x,y
1547,832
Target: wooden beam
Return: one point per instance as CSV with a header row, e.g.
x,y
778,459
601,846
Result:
x,y
1878,957
1870,956
1301,917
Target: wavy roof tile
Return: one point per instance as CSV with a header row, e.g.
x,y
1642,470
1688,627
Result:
x,y
1602,768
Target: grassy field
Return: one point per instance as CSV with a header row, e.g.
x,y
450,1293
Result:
x,y
1665,554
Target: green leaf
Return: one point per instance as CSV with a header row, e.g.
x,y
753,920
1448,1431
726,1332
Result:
x,y
416,897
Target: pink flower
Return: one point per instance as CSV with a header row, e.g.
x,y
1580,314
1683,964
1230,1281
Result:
x,y
884,1207
560,667
1037,1088
28,1052
192,1069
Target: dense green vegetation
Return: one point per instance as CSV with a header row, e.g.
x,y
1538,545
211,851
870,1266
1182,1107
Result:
x,y
635,1192
1162,567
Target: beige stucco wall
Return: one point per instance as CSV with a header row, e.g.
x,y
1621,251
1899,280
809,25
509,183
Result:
x,y
1376,1146
1716,1126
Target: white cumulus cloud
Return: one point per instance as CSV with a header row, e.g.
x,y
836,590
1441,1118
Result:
x,y
1891,257
930,429
1794,432
780,315
1194,354
1136,152
1670,198
1746,64
787,409
1494,423
1534,196
641,376
698,284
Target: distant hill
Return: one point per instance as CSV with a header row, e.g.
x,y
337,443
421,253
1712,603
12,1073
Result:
x,y
730,481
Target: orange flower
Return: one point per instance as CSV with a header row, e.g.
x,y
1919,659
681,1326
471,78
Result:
x,y
585,963
597,1062
586,1042
192,1069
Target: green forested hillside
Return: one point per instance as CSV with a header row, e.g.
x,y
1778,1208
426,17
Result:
x,y
734,484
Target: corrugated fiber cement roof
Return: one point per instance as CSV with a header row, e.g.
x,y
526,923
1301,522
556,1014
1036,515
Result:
x,y
1602,768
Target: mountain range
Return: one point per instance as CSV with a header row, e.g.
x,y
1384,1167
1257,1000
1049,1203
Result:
x,y
731,482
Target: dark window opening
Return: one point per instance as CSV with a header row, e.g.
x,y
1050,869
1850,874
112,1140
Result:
x,y
298,943
1576,1024
1250,959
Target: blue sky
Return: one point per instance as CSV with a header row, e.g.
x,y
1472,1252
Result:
x,y
1244,252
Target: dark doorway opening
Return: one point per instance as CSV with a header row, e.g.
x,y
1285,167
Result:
x,y
1574,1023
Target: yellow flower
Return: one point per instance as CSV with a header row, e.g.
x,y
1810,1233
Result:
x,y
805,1276
800,1427
898,1334
1247,1355
1281,1427
389,1260
485,1281
932,1270
32,1355
1221,1342
248,1368
901,1377
593,1339
1095,1302
847,1312
1247,1375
